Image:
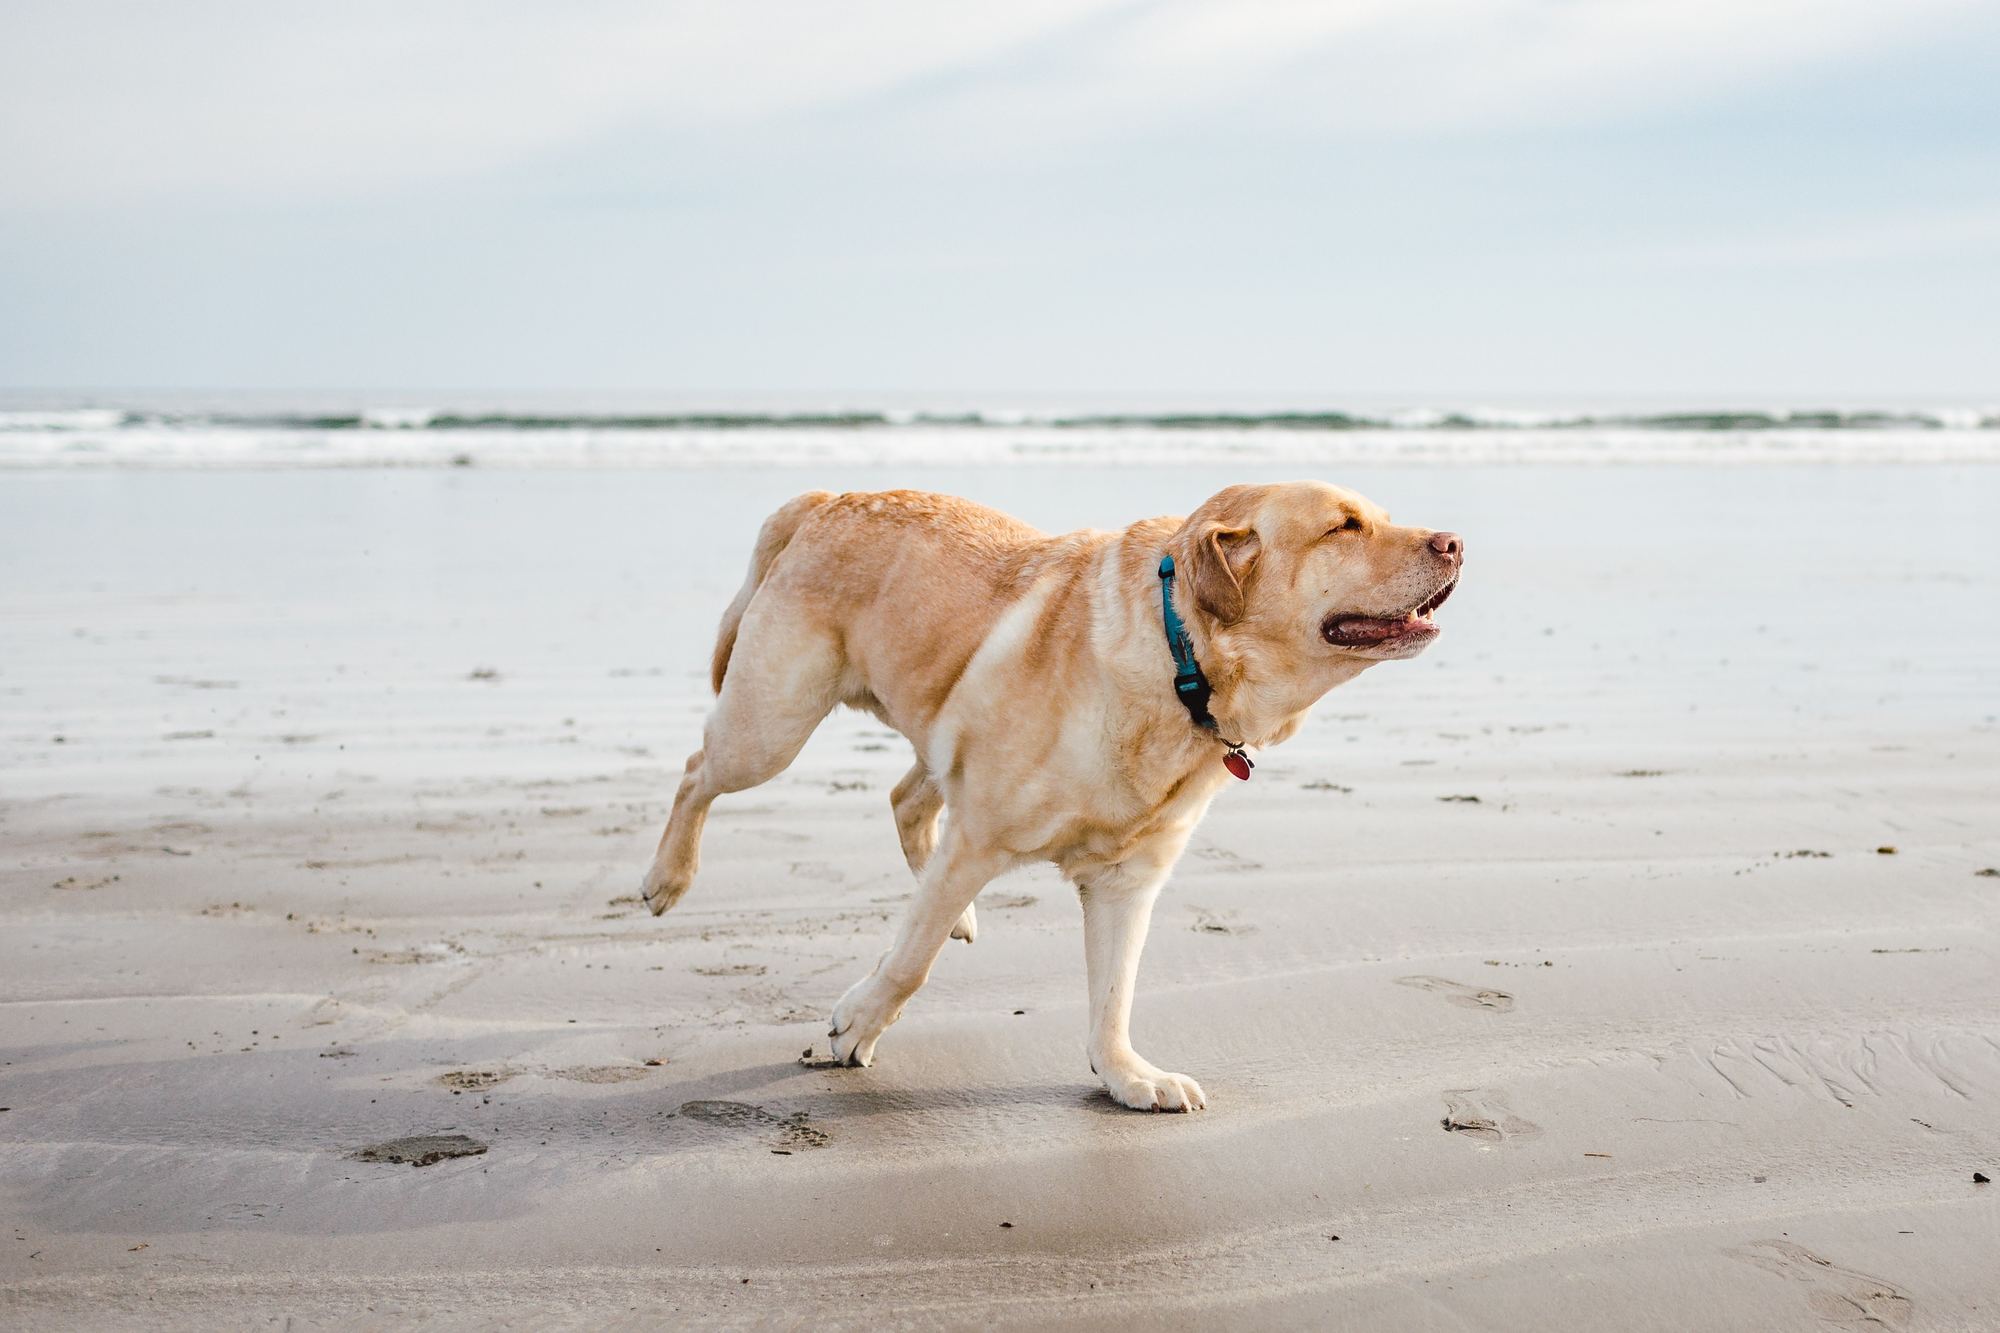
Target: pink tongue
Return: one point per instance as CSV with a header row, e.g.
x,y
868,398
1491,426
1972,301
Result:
x,y
1361,627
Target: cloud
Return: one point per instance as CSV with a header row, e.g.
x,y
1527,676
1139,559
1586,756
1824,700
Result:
x,y
1950,234
1434,67
112,103
104,102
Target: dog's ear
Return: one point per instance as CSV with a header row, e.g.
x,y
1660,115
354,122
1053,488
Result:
x,y
1220,559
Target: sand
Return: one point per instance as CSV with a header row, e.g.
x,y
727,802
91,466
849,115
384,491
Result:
x,y
1623,963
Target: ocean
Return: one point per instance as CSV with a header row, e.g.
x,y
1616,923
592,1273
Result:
x,y
323,430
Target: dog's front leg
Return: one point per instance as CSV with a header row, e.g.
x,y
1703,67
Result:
x,y
1117,910
952,878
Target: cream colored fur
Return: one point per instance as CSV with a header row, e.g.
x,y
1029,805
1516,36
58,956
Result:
x,y
1032,676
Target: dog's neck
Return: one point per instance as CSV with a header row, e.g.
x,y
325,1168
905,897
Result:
x,y
1191,684
1253,702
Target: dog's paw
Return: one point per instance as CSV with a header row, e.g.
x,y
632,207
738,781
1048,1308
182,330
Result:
x,y
1144,1087
968,925
859,1020
662,889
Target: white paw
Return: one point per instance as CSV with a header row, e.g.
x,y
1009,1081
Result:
x,y
1144,1087
859,1020
968,925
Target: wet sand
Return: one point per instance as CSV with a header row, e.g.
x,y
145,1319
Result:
x,y
1625,962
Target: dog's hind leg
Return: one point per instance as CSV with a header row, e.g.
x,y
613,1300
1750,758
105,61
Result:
x,y
780,685
918,803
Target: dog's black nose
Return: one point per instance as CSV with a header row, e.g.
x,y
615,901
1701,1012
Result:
x,y
1448,545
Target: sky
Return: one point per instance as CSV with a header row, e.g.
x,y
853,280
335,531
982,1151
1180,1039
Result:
x,y
1351,200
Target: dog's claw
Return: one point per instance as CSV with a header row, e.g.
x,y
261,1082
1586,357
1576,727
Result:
x,y
859,1021
658,890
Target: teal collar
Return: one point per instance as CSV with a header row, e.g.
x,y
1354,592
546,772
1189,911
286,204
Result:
x,y
1191,685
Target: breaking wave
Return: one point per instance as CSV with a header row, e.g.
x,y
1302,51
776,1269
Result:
x,y
95,435
406,418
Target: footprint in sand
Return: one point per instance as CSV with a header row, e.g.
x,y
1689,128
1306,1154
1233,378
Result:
x,y
1226,858
601,1073
473,1080
1837,1295
1218,923
789,1132
1471,997
1481,1113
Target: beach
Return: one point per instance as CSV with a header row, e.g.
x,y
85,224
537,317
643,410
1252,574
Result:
x,y
1629,960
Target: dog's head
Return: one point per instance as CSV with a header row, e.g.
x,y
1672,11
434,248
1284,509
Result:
x,y
1309,582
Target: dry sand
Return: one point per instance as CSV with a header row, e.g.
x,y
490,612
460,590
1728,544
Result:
x,y
1555,980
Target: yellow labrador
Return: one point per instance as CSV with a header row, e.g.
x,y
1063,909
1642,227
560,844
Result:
x,y
1075,699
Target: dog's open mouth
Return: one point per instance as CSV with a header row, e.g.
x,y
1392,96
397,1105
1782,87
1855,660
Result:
x,y
1411,627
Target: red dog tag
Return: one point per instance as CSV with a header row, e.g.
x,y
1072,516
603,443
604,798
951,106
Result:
x,y
1238,763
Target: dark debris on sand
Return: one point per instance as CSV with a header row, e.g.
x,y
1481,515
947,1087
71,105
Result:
x,y
420,1149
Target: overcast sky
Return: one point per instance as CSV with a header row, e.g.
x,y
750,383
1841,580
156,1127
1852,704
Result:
x,y
1728,199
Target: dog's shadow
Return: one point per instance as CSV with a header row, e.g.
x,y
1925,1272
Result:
x,y
861,1095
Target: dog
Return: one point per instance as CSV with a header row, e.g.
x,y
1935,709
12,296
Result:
x,y
1076,699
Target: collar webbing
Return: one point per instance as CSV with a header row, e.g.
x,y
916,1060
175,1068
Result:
x,y
1190,685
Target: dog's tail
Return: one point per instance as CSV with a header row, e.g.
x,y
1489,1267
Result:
x,y
772,539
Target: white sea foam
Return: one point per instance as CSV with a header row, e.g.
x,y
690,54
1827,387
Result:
x,y
62,419
398,418
73,443
246,430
